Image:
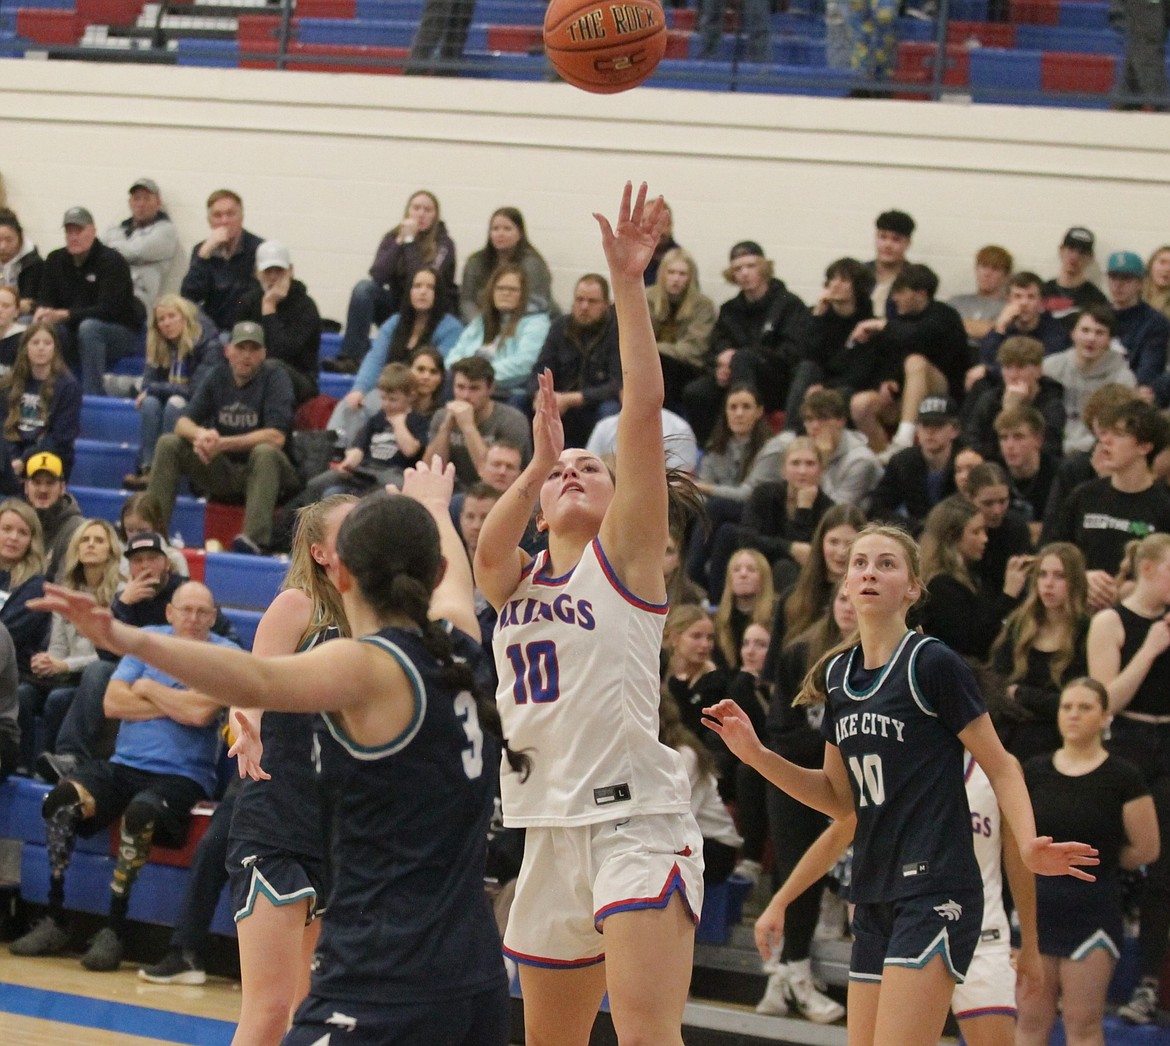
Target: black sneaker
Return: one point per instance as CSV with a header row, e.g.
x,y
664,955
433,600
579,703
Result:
x,y
340,365
244,546
105,952
53,767
176,967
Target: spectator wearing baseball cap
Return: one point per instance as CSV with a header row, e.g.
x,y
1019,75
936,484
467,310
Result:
x,y
1141,331
147,240
87,293
231,438
1070,290
919,477
56,508
758,338
291,322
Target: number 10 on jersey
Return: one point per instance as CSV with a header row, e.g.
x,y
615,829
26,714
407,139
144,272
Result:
x,y
871,785
538,677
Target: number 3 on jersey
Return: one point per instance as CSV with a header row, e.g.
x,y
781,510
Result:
x,y
871,785
538,677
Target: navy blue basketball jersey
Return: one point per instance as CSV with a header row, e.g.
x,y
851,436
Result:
x,y
896,728
408,917
283,813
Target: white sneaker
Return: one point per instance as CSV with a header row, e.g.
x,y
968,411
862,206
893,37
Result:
x,y
750,870
802,995
774,1002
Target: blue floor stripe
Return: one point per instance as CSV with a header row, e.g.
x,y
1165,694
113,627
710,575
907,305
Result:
x,y
114,1016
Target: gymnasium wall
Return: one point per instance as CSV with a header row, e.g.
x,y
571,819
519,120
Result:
x,y
325,162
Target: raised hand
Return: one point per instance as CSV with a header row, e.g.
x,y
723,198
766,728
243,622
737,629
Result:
x,y
548,431
248,750
630,246
731,723
1044,857
431,483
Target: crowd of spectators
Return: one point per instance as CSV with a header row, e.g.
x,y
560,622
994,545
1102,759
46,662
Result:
x,y
1016,427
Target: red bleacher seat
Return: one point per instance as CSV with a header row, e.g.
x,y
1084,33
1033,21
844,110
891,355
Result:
x,y
916,66
1077,73
986,34
257,29
1036,12
516,38
327,8
222,522
109,12
332,58
49,26
196,562
176,857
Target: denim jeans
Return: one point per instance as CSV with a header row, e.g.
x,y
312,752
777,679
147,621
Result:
x,y
369,303
99,344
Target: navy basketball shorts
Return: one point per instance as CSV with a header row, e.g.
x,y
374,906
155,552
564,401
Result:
x,y
1074,918
913,930
255,870
483,1018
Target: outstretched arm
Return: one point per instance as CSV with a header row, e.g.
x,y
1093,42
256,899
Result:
x,y
634,531
816,863
1040,854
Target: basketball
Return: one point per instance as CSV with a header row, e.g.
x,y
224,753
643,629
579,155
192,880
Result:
x,y
604,47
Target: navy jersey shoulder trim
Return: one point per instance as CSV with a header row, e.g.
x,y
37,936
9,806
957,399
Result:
x,y
915,690
396,744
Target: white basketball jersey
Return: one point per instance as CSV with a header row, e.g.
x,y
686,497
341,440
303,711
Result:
x,y
577,658
985,824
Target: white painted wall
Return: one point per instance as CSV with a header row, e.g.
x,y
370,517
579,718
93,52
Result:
x,y
326,162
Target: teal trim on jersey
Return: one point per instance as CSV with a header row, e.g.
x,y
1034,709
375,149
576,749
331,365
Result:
x,y
849,692
913,677
1099,940
369,754
941,945
259,885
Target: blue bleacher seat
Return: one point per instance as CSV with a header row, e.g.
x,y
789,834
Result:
x,y
109,418
1078,41
129,365
335,385
106,503
1004,76
969,10
245,622
382,9
330,346
98,463
1084,14
915,29
220,54
691,73
514,67
358,32
243,581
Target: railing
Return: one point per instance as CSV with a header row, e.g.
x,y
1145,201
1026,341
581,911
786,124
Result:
x,y
938,56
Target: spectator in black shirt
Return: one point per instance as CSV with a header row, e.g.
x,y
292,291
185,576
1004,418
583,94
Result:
x,y
231,437
223,266
757,339
922,351
1101,516
989,489
87,292
829,359
1023,314
1020,381
1142,332
1031,468
291,322
919,477
1070,290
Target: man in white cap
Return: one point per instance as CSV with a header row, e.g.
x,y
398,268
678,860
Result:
x,y
147,240
87,292
289,317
